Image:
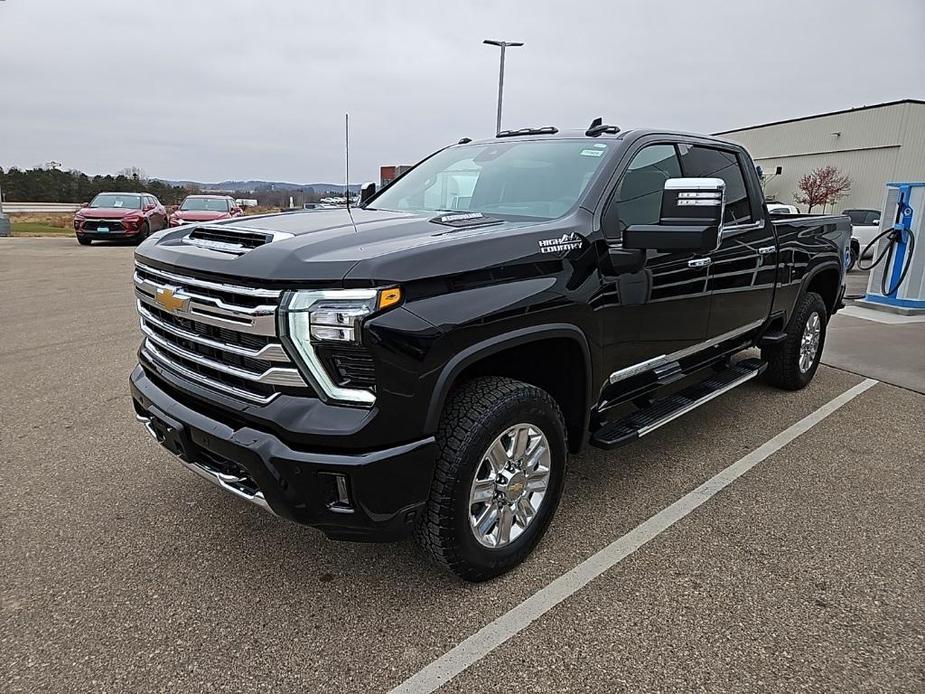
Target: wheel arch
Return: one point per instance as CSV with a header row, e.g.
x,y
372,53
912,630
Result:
x,y
824,279
522,354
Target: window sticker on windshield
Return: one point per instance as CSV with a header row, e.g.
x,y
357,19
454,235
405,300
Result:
x,y
591,152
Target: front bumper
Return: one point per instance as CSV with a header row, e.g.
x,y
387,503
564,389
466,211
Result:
x,y
103,235
386,488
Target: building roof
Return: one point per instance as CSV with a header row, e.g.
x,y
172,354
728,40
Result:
x,y
822,115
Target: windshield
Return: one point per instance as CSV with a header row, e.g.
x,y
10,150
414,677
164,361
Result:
x,y
533,179
126,200
205,205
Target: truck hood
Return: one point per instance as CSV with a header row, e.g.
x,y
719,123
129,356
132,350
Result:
x,y
331,247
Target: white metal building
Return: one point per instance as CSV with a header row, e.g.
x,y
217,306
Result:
x,y
873,145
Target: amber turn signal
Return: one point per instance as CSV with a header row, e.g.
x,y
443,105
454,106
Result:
x,y
389,297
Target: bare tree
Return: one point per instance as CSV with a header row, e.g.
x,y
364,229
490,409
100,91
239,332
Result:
x,y
823,186
134,172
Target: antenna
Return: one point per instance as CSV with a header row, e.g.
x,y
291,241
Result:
x,y
347,159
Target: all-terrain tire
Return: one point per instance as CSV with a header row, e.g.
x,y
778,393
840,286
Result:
x,y
84,241
784,359
854,252
475,415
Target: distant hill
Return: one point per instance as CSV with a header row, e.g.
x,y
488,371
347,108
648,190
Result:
x,y
262,186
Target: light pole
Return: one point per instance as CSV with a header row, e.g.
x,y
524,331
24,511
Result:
x,y
502,45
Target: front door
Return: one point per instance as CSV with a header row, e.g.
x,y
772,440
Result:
x,y
664,306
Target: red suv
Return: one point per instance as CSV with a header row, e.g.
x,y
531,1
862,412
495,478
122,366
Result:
x,y
119,216
205,208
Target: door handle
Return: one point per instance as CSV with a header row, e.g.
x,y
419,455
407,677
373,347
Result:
x,y
700,262
766,250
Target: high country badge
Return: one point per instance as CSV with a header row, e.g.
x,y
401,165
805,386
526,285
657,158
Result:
x,y
567,242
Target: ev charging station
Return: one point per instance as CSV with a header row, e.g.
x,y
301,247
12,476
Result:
x,y
897,278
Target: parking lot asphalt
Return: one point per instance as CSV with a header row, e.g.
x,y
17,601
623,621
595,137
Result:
x,y
124,572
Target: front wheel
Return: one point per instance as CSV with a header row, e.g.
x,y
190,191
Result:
x,y
84,241
500,468
793,362
144,233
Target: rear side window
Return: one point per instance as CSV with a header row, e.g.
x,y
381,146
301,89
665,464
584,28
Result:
x,y
863,216
706,162
638,196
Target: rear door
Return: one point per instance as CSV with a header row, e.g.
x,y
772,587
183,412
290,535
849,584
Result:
x,y
743,270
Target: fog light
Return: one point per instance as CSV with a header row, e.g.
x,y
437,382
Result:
x,y
338,492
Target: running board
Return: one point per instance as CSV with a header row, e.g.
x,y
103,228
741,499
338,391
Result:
x,y
646,420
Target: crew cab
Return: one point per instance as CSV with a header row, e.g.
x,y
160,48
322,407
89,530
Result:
x,y
111,216
205,208
423,363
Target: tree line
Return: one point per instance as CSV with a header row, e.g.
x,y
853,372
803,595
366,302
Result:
x,y
51,184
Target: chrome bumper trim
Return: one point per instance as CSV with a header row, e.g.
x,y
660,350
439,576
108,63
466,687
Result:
x,y
219,479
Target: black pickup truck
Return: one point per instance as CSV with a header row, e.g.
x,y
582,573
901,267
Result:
x,y
424,362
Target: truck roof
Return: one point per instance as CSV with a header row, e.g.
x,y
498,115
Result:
x,y
580,134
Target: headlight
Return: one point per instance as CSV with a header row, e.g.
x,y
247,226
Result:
x,y
332,316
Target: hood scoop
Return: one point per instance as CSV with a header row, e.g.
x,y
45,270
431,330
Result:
x,y
232,239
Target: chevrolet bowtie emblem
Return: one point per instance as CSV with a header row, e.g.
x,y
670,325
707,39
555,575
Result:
x,y
171,301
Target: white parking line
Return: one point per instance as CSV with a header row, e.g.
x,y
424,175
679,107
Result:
x,y
484,641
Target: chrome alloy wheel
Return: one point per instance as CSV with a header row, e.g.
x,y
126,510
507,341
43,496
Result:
x,y
509,485
809,343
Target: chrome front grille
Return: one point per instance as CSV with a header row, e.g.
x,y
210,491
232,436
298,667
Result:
x,y
219,335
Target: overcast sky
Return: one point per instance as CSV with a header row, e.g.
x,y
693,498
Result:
x,y
210,90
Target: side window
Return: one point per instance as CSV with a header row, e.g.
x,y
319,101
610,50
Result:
x,y
704,162
638,196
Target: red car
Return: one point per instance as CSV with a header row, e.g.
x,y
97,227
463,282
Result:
x,y
205,208
119,216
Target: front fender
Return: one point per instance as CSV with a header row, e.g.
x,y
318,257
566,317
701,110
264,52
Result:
x,y
485,348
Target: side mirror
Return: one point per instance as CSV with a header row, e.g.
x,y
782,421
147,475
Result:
x,y
691,218
149,207
367,191
85,204
876,221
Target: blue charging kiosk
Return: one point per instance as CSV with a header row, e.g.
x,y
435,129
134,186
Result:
x,y
897,280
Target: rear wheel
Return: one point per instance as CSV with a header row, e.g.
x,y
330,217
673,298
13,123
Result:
x,y
793,362
854,251
501,461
